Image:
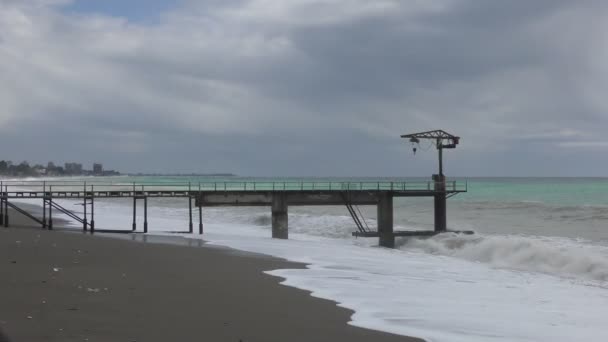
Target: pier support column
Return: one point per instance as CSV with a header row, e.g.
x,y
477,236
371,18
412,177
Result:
x,y
93,214
190,226
50,224
440,204
1,209
85,222
200,219
5,221
43,212
134,227
440,213
385,220
6,212
50,202
145,215
280,221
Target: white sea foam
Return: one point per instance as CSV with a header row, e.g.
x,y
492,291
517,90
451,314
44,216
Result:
x,y
435,297
557,256
442,289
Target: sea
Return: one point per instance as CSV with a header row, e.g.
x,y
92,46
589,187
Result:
x,y
536,268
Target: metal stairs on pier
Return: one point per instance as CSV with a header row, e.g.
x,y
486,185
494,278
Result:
x,y
357,216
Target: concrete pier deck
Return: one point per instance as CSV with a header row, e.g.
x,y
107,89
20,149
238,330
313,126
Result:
x,y
276,195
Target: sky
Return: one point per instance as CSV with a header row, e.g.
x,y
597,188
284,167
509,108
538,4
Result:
x,y
306,87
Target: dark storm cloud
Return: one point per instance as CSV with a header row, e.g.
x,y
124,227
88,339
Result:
x,y
307,87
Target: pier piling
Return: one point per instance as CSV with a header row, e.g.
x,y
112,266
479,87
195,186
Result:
x,y
6,208
440,204
6,221
280,217
92,212
146,215
200,219
44,213
190,225
50,201
44,205
134,227
385,221
84,219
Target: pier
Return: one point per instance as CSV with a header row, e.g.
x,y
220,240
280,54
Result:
x,y
278,196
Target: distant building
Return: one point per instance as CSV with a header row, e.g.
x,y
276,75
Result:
x,y
97,169
51,169
73,168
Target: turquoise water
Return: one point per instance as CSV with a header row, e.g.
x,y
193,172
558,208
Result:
x,y
552,191
562,207
556,191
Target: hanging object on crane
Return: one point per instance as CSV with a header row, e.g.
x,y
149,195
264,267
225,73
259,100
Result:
x,y
415,143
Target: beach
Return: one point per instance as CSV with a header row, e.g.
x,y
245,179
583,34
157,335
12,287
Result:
x,y
68,286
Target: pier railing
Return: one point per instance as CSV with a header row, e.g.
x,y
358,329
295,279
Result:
x,y
93,186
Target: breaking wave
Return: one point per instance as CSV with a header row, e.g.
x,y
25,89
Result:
x,y
583,212
262,220
560,257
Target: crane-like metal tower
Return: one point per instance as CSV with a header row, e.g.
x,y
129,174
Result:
x,y
442,140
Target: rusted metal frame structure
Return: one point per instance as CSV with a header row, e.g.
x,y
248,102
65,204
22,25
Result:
x,y
442,140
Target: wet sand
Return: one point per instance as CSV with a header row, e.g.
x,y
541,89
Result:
x,y
59,286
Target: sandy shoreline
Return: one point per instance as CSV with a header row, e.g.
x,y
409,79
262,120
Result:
x,y
61,286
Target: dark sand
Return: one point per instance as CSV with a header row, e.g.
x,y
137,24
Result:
x,y
58,286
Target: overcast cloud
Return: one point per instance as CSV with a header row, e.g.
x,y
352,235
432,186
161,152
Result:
x,y
307,87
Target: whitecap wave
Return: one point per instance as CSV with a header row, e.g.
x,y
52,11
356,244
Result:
x,y
560,257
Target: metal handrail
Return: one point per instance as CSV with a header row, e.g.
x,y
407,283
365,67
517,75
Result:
x,y
74,186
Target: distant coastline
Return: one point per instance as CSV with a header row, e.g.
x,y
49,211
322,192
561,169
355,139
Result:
x,y
8,169
181,174
25,170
